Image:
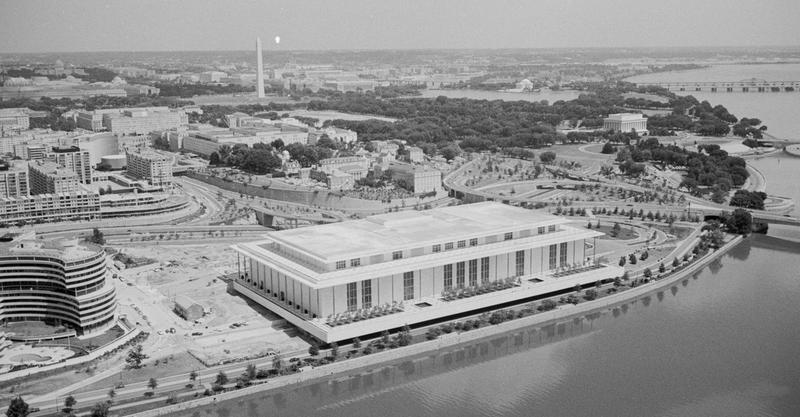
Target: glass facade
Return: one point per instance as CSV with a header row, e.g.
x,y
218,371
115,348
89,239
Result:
x,y
520,263
366,294
408,285
460,267
485,270
553,257
448,276
562,255
473,273
352,297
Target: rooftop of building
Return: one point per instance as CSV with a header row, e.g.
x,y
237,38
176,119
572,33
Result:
x,y
65,249
625,116
51,168
387,232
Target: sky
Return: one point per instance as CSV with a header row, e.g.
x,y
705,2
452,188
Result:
x,y
178,25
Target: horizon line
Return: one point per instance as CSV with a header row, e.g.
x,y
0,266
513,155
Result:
x,y
418,49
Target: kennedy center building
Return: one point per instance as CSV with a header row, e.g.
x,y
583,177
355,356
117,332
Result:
x,y
344,280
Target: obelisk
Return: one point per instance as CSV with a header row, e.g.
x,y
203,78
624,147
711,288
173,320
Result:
x,y
260,70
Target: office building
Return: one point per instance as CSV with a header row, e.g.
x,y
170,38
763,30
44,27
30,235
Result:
x,y
62,282
13,180
47,177
15,119
132,121
361,277
625,122
415,178
74,159
154,167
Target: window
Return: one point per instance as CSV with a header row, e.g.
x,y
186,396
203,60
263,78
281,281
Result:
x,y
460,274
473,242
448,246
437,248
551,228
366,294
398,254
540,230
341,264
508,236
484,270
408,285
473,273
553,259
448,276
520,263
352,297
355,262
562,255
462,244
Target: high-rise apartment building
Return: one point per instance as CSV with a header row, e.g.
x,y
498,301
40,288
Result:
x,y
75,159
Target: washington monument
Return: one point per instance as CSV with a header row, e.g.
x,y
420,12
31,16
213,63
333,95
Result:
x,y
259,70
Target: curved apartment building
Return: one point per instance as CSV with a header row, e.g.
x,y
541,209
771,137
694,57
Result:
x,y
57,281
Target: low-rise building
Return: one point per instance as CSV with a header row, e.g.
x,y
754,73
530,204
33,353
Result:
x,y
415,178
625,122
361,277
415,154
76,205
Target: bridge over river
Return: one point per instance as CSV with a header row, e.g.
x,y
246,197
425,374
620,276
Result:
x,y
751,85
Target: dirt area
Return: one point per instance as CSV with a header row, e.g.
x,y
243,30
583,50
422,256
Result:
x,y
232,327
170,365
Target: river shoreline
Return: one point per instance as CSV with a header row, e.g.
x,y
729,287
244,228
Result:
x,y
449,340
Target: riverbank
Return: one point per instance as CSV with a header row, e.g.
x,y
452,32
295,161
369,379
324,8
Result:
x,y
449,340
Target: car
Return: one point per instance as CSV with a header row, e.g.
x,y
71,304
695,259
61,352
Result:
x,y
197,333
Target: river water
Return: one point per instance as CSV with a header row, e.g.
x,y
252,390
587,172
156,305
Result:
x,y
724,342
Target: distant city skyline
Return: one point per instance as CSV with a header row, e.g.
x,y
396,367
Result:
x,y
38,26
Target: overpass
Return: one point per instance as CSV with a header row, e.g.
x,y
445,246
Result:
x,y
751,85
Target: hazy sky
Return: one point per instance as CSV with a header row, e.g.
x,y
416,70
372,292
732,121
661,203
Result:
x,y
150,25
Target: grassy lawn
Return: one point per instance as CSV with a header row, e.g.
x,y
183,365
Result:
x,y
179,363
625,232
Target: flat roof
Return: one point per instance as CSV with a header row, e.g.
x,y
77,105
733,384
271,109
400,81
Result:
x,y
394,231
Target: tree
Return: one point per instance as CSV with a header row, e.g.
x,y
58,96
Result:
x,y
214,159
621,261
334,349
69,403
313,350
676,263
97,237
356,343
632,259
250,372
740,221
135,357
662,268
99,410
450,151
152,384
547,157
277,363
17,408
221,379
111,394
192,376
608,148
648,273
